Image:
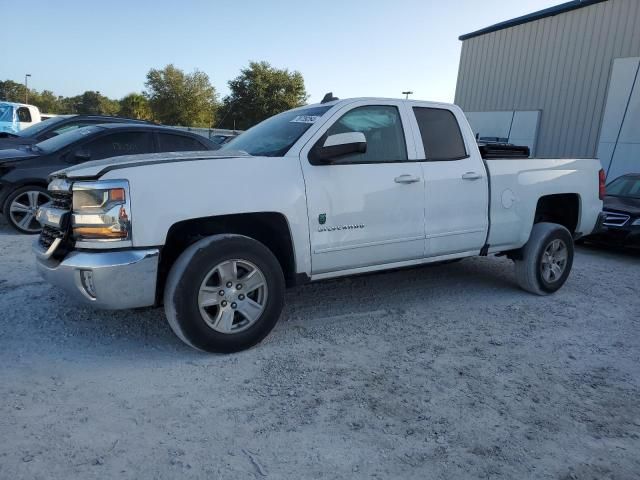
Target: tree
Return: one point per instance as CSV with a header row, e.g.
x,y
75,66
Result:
x,y
135,105
12,91
47,102
178,98
259,92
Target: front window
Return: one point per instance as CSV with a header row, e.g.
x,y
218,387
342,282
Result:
x,y
381,126
624,187
67,138
276,135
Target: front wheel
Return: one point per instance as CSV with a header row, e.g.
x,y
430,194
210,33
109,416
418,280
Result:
x,y
224,293
546,260
21,206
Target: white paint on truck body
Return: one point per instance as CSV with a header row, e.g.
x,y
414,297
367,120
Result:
x,y
357,217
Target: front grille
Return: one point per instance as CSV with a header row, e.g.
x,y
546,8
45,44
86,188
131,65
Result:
x,y
61,200
614,219
48,235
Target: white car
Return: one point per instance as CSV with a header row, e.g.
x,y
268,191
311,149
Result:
x,y
327,190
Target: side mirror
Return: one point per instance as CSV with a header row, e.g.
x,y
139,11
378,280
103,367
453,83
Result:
x,y
341,144
79,156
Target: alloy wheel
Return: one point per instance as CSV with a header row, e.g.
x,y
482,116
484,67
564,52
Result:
x,y
23,210
232,296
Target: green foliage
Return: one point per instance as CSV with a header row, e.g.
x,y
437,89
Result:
x,y
259,92
173,97
135,105
178,98
12,91
91,103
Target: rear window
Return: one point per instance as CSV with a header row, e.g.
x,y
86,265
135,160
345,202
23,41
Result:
x,y
177,143
24,115
441,136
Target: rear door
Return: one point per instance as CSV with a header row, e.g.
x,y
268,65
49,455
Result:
x,y
456,184
366,209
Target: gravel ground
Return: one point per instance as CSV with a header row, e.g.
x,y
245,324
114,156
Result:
x,y
441,372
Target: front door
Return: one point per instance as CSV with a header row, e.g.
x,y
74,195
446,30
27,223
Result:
x,y
367,208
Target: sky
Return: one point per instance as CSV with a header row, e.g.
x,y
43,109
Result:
x,y
352,48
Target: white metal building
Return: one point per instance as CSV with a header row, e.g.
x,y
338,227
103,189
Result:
x,y
564,80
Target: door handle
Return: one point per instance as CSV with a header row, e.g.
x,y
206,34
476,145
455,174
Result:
x,y
471,176
406,178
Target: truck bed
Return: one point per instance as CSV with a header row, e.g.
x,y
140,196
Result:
x,y
516,184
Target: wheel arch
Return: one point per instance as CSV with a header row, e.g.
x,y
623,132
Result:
x,y
269,228
561,208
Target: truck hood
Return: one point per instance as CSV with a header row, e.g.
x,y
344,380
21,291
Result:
x,y
99,167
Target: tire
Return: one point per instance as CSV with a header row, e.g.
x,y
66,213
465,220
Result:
x,y
535,271
196,281
27,199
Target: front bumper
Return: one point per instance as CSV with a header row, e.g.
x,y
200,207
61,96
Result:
x,y
618,236
110,280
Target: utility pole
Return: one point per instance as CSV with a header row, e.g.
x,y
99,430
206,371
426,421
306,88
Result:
x,y
406,94
26,87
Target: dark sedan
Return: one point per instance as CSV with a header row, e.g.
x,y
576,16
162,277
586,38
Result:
x,y
24,171
621,225
55,126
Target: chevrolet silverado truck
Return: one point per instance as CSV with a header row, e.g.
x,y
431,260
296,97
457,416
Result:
x,y
338,188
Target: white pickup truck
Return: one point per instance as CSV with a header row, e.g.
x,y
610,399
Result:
x,y
338,188
17,116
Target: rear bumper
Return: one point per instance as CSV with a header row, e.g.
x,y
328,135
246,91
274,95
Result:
x,y
108,280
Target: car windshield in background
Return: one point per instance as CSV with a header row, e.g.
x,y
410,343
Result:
x,y
6,113
34,130
625,187
60,141
276,135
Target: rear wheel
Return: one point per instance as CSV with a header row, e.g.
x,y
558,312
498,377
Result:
x,y
224,293
546,260
21,206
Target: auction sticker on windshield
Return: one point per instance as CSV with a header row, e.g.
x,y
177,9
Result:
x,y
305,119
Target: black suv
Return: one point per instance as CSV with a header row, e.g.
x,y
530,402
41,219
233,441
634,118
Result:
x,y
24,171
55,126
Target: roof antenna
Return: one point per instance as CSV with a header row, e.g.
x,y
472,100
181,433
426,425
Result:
x,y
329,98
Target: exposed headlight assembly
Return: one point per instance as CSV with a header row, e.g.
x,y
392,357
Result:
x,y
101,211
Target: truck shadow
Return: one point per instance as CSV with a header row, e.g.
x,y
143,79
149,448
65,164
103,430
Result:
x,y
61,325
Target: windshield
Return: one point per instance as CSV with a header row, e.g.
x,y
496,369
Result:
x,y
6,113
60,141
34,130
624,187
276,135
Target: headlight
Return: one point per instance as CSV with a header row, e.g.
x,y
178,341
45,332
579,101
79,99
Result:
x,y
101,211
636,222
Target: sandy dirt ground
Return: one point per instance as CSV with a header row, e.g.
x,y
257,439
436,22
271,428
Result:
x,y
441,372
